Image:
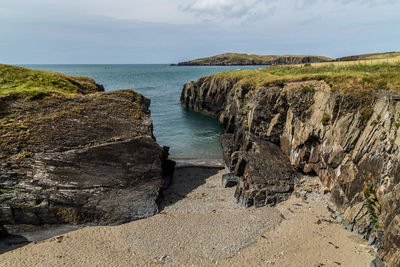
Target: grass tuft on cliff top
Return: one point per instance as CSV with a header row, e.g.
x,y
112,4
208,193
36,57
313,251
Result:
x,y
353,78
19,81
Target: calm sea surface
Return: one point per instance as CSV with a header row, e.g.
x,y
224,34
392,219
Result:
x,y
190,135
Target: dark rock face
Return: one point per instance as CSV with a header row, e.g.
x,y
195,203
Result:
x,y
267,177
206,95
110,183
168,168
227,144
321,132
391,220
85,159
3,232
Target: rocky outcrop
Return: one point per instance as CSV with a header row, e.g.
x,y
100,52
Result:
x,y
350,142
79,159
266,176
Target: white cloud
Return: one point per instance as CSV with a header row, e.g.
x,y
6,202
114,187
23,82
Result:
x,y
249,9
240,9
126,31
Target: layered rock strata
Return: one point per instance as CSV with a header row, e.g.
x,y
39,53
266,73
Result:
x,y
351,143
89,158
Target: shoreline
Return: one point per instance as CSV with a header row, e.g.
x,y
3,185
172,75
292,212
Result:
x,y
200,223
211,163
23,234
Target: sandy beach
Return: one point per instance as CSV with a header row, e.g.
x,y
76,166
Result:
x,y
200,224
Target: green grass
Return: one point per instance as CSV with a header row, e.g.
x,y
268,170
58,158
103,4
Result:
x,y
37,84
307,88
357,79
325,118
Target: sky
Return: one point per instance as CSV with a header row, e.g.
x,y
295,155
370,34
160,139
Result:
x,y
169,31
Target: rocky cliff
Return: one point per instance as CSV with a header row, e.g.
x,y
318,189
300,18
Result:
x,y
78,158
229,59
350,140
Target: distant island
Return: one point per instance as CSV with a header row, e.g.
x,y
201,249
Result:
x,y
237,59
232,59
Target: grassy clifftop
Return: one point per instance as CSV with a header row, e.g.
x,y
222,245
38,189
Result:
x,y
251,59
36,83
373,56
41,110
354,79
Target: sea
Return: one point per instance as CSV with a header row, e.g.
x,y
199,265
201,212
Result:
x,y
189,134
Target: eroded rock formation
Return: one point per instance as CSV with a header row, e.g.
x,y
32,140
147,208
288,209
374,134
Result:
x,y
79,159
350,142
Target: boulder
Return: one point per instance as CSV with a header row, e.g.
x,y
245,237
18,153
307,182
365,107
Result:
x,y
80,159
227,144
266,177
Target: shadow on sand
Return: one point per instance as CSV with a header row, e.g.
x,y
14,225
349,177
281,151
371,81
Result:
x,y
185,180
23,234
11,242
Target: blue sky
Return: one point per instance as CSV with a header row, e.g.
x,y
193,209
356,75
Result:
x,y
168,31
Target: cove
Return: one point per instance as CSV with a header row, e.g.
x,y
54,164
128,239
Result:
x,y
189,134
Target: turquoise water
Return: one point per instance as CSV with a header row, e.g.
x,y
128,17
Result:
x,y
190,135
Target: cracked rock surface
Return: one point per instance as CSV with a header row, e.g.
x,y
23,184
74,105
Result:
x,y
350,142
88,158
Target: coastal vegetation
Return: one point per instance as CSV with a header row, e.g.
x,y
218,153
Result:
x,y
25,116
358,79
337,120
37,84
77,135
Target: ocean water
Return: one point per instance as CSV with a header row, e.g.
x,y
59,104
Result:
x,y
189,134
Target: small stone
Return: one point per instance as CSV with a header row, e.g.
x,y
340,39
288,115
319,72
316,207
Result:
x,y
371,240
162,257
301,194
377,263
268,262
229,180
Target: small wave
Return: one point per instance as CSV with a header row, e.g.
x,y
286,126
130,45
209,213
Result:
x,y
208,134
211,163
